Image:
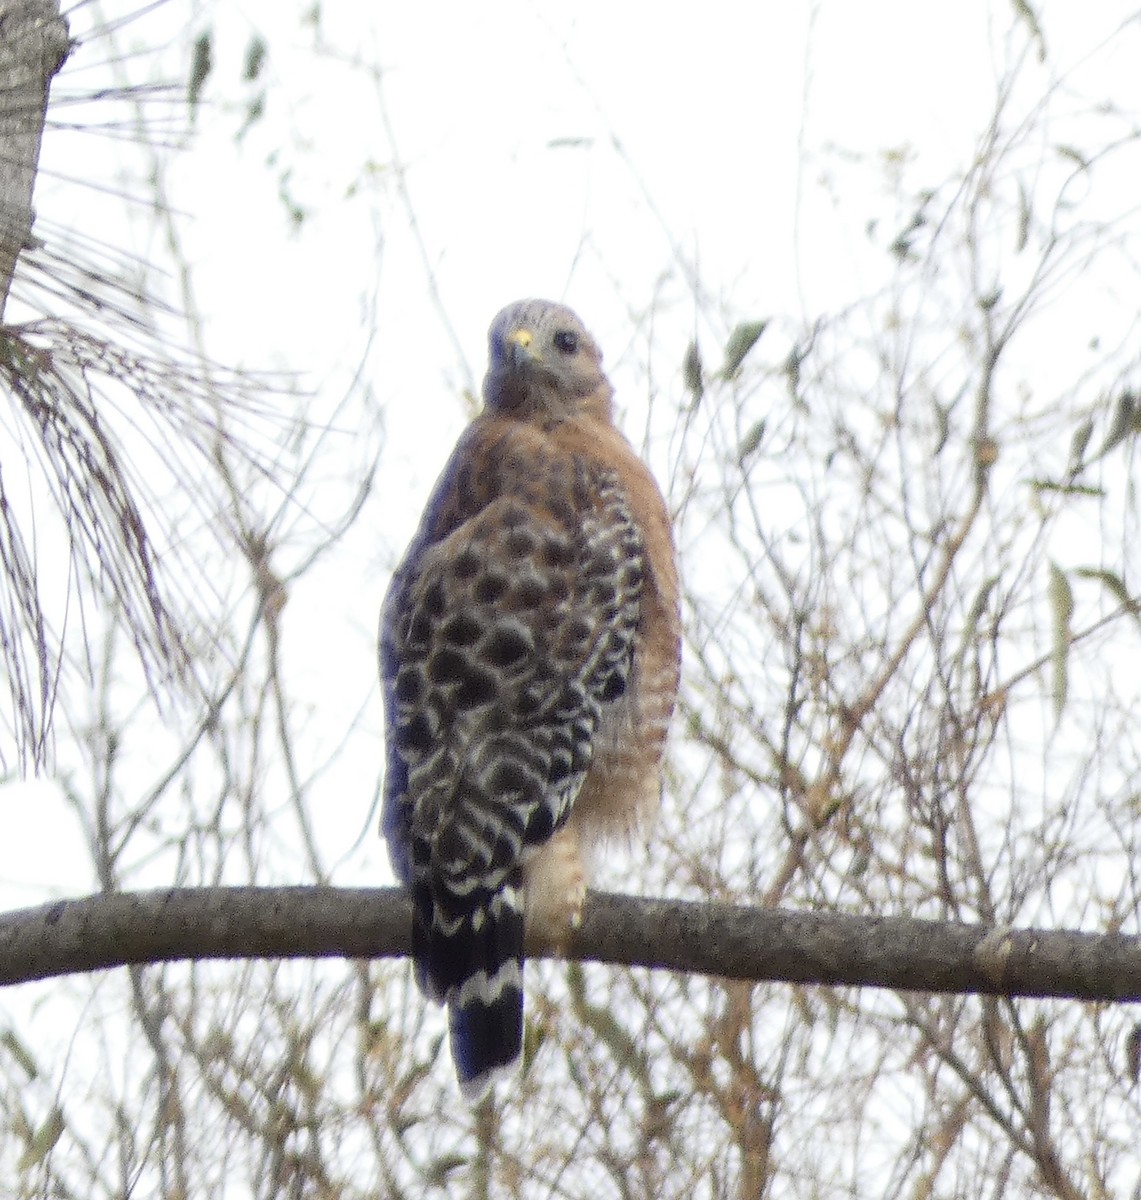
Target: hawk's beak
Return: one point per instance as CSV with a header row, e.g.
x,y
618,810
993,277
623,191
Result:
x,y
521,349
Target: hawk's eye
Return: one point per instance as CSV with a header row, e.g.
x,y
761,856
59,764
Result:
x,y
566,340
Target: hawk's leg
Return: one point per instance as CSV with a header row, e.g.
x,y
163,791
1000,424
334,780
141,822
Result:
x,y
555,882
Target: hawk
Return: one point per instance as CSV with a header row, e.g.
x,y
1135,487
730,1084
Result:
x,y
529,655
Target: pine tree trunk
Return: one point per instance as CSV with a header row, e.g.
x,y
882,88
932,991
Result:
x,y
34,42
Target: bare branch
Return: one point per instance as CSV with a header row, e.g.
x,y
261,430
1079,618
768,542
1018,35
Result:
x,y
725,940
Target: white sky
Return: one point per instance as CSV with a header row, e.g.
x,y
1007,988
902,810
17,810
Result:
x,y
751,151
750,157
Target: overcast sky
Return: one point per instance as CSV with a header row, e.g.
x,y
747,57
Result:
x,y
619,157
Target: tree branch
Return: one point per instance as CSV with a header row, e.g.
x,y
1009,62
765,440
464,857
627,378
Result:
x,y
710,939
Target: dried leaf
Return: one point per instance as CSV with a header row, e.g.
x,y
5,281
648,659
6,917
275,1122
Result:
x,y
1061,599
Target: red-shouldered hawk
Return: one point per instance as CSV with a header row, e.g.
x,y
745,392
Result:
x,y
529,656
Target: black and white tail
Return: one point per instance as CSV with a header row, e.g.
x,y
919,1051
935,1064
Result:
x,y
471,958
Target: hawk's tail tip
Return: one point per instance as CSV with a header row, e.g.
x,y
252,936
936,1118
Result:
x,y
487,1033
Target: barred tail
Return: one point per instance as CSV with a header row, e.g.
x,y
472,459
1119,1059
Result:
x,y
487,1035
473,961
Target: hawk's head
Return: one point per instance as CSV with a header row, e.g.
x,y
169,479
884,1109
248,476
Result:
x,y
541,359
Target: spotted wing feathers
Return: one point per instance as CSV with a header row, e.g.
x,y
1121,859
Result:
x,y
507,630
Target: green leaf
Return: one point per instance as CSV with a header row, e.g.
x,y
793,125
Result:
x,y
1074,155
1028,15
1023,219
201,64
1078,444
42,1141
1122,423
792,370
741,341
751,441
942,426
20,1053
534,1038
255,58
1115,585
975,612
255,110
1068,489
693,373
1061,599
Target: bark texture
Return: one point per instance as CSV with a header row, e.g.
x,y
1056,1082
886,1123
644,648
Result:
x,y
758,944
34,43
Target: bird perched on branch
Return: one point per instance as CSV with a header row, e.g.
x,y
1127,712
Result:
x,y
529,651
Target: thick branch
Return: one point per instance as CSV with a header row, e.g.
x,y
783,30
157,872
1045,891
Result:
x,y
33,46
710,939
